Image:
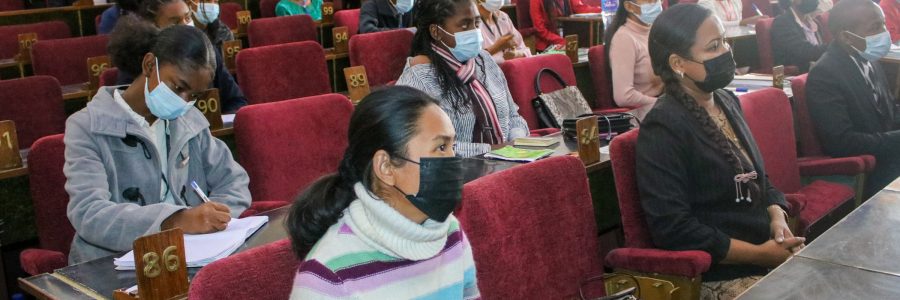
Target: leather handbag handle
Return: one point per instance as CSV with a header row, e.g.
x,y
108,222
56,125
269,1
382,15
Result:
x,y
537,79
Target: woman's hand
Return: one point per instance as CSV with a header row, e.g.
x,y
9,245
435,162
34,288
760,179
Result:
x,y
779,226
502,44
771,253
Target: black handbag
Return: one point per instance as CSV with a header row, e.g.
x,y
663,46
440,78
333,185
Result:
x,y
554,107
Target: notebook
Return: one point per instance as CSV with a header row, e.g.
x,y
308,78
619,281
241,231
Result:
x,y
536,141
510,153
203,249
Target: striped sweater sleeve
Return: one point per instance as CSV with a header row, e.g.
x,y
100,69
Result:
x,y
316,281
470,280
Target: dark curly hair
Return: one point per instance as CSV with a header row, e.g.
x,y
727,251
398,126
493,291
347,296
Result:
x,y
183,46
150,8
434,12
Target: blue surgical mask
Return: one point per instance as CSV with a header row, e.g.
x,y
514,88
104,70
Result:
x,y
404,6
207,13
468,44
877,46
162,101
649,12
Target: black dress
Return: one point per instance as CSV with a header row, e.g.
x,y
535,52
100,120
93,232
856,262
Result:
x,y
687,187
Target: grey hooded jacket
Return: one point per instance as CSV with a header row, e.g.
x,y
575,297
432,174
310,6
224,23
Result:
x,y
113,176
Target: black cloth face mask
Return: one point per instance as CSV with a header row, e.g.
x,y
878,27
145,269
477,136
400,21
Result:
x,y
440,186
719,72
808,6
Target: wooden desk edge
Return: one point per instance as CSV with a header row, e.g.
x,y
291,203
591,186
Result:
x,y
20,171
222,132
23,12
34,290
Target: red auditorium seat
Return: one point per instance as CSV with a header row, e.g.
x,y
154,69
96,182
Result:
x,y
9,42
228,14
9,5
66,59
823,203
384,62
265,272
36,105
267,8
271,73
639,254
285,146
600,73
281,30
109,77
348,18
46,181
813,160
533,236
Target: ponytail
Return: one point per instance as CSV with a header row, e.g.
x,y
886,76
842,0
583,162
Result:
x,y
384,120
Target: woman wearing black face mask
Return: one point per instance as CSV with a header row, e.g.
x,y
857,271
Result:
x,y
382,224
797,35
692,147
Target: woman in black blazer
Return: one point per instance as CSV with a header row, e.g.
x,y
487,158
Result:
x,y
692,146
797,35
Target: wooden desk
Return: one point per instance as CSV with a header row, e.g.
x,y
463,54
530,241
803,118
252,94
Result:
x,y
855,259
803,278
743,43
76,91
336,65
893,57
575,25
734,33
568,147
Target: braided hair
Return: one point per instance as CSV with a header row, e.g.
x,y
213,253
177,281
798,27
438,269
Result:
x,y
674,32
435,12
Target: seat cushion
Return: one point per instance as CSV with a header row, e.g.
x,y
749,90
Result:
x,y
678,263
820,198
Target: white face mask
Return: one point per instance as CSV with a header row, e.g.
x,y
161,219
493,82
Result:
x,y
207,13
495,5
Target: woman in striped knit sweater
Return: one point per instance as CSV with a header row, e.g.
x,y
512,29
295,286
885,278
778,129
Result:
x,y
381,227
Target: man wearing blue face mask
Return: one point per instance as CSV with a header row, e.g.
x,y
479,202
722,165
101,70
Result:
x,y
848,94
132,154
383,15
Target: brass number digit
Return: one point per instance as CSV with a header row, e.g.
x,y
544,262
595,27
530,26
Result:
x,y
588,136
8,140
212,105
357,80
171,257
151,268
244,19
201,104
232,51
27,43
98,68
572,45
328,10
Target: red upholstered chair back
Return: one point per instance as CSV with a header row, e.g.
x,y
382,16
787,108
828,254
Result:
x,y
764,44
634,224
764,5
109,77
384,62
285,146
281,30
809,142
48,194
533,235
66,59
265,272
267,8
36,105
520,74
228,13
523,14
349,18
7,5
281,72
600,75
9,41
768,114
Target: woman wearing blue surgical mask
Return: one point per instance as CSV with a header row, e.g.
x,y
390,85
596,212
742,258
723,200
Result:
x,y
383,15
382,226
634,84
205,14
449,64
133,152
501,39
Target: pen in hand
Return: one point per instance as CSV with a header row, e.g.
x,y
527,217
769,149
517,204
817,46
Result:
x,y
199,192
756,8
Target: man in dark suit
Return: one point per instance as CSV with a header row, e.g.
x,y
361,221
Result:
x,y
383,15
849,98
796,35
